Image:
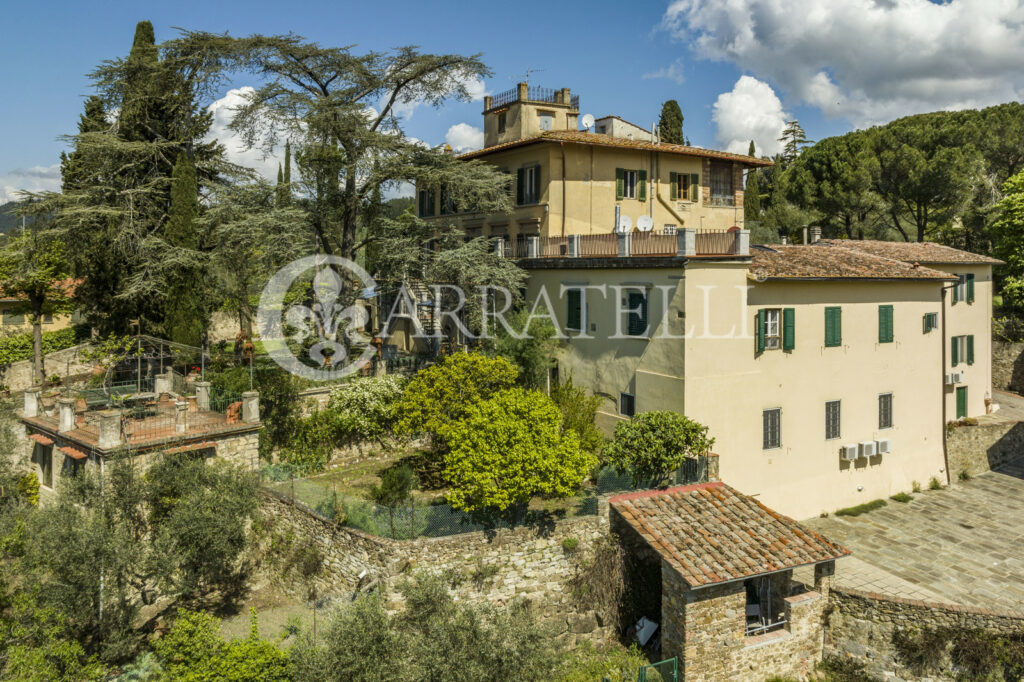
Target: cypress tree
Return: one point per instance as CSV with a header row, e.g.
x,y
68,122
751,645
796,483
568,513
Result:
x,y
752,151
671,122
185,312
752,197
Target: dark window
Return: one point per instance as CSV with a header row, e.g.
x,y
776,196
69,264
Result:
x,y
13,317
636,316
501,122
426,203
574,303
629,184
885,411
627,404
772,428
721,183
832,420
528,185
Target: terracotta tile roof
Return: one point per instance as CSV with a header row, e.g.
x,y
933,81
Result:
x,y
41,439
914,252
824,261
73,453
713,534
66,286
596,139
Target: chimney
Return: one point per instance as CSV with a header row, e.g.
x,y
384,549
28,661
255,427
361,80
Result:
x,y
522,91
805,235
815,234
488,102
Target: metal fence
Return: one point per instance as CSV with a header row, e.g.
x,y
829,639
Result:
x,y
662,671
439,520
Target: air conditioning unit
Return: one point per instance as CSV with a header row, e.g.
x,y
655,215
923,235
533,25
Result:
x,y
882,446
848,453
867,448
953,378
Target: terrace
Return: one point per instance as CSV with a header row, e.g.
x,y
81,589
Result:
x,y
687,242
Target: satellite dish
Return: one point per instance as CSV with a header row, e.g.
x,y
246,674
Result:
x,y
625,224
587,121
645,223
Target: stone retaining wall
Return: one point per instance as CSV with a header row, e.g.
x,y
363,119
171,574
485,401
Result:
x,y
977,449
18,375
861,626
528,563
1008,366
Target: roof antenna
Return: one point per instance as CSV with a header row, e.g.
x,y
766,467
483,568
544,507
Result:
x,y
526,77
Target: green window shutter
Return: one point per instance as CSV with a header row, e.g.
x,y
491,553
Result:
x,y
536,183
673,192
619,190
788,328
956,293
833,326
955,351
641,191
520,185
885,333
970,349
575,309
761,321
970,288
694,187
637,320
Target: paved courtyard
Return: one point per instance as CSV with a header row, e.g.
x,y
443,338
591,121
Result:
x,y
963,544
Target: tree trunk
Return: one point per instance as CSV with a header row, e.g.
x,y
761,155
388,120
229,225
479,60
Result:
x,y
37,348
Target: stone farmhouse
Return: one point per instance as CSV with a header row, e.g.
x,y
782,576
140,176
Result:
x,y
827,371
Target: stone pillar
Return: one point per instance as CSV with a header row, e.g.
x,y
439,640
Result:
x,y
713,474
32,401
65,414
574,246
623,243
686,242
522,91
533,246
566,96
823,573
203,396
110,429
180,414
743,243
251,407
488,102
499,247
162,384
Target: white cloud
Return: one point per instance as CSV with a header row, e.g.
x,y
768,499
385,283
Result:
x,y
673,72
866,60
750,111
223,113
34,179
463,137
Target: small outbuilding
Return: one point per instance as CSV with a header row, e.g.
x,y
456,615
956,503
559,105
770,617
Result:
x,y
730,608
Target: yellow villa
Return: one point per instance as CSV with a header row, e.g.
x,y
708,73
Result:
x,y
826,371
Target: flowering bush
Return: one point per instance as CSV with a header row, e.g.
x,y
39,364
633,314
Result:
x,y
365,409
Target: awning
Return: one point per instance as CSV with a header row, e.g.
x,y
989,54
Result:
x,y
41,439
73,453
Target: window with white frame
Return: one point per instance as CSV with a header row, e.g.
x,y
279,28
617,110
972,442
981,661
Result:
x,y
885,411
531,184
772,327
547,120
772,428
629,184
832,420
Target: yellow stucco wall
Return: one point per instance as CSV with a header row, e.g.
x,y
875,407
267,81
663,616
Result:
x,y
975,318
715,376
59,321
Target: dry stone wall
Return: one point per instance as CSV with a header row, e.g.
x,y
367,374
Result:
x,y
980,448
1008,366
497,568
861,626
18,375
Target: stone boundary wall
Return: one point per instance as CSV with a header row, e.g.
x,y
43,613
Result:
x,y
861,624
528,563
18,375
1008,366
977,449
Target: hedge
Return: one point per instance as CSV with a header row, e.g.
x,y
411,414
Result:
x,y
19,346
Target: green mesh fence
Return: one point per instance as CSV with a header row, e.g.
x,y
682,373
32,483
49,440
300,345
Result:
x,y
610,481
662,671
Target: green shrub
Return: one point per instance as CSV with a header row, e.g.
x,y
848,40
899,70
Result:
x,y
28,487
901,497
366,409
861,508
915,487
19,346
579,408
570,544
615,663
934,484
965,475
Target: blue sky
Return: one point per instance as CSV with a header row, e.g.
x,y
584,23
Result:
x,y
738,68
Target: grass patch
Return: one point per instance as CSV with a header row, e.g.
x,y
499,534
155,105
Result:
x,y
934,484
861,508
902,497
965,475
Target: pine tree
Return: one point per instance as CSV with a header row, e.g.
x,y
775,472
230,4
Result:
x,y
794,139
670,125
185,312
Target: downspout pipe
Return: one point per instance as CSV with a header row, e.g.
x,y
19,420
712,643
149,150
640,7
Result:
x,y
942,377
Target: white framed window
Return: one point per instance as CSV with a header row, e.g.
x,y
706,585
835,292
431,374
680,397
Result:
x,y
772,328
885,411
531,184
629,178
772,428
833,421
547,120
627,404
